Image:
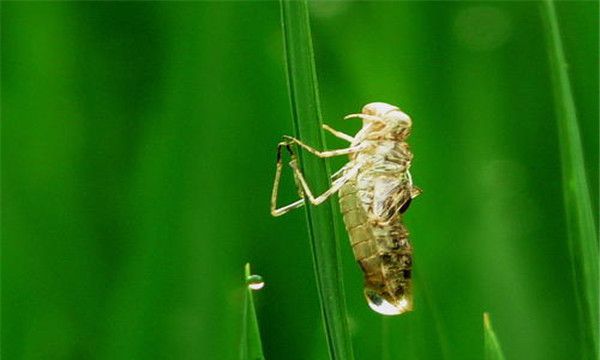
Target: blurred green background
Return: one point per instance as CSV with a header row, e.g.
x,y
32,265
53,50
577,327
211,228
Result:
x,y
138,153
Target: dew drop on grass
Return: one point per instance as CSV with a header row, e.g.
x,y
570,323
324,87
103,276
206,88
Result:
x,y
255,282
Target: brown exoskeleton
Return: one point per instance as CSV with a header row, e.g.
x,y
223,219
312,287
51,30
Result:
x,y
375,188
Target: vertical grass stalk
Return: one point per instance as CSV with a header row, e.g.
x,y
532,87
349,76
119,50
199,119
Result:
x,y
492,349
251,346
582,237
385,339
306,113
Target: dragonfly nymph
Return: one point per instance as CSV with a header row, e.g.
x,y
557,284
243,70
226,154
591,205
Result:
x,y
375,189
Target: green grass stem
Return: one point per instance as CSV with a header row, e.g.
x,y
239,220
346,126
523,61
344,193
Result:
x,y
251,346
492,348
582,237
306,113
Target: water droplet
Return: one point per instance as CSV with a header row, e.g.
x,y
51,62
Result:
x,y
384,307
255,282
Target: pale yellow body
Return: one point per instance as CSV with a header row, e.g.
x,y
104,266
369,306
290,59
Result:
x,y
375,188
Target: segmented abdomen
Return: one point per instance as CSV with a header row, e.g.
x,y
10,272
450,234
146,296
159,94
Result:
x,y
381,249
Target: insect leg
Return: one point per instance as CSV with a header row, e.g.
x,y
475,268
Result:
x,y
415,190
338,134
328,153
340,170
335,186
296,204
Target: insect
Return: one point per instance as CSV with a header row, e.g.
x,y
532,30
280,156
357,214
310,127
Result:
x,y
375,189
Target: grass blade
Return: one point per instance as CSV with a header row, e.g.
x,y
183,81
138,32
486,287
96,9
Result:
x,y
251,346
304,98
582,237
492,348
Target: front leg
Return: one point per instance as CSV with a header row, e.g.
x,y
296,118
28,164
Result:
x,y
327,153
338,134
275,211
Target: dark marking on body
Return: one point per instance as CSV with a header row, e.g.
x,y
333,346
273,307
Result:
x,y
405,206
406,274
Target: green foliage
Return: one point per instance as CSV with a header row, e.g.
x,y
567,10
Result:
x,y
251,346
138,153
582,237
492,348
306,114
